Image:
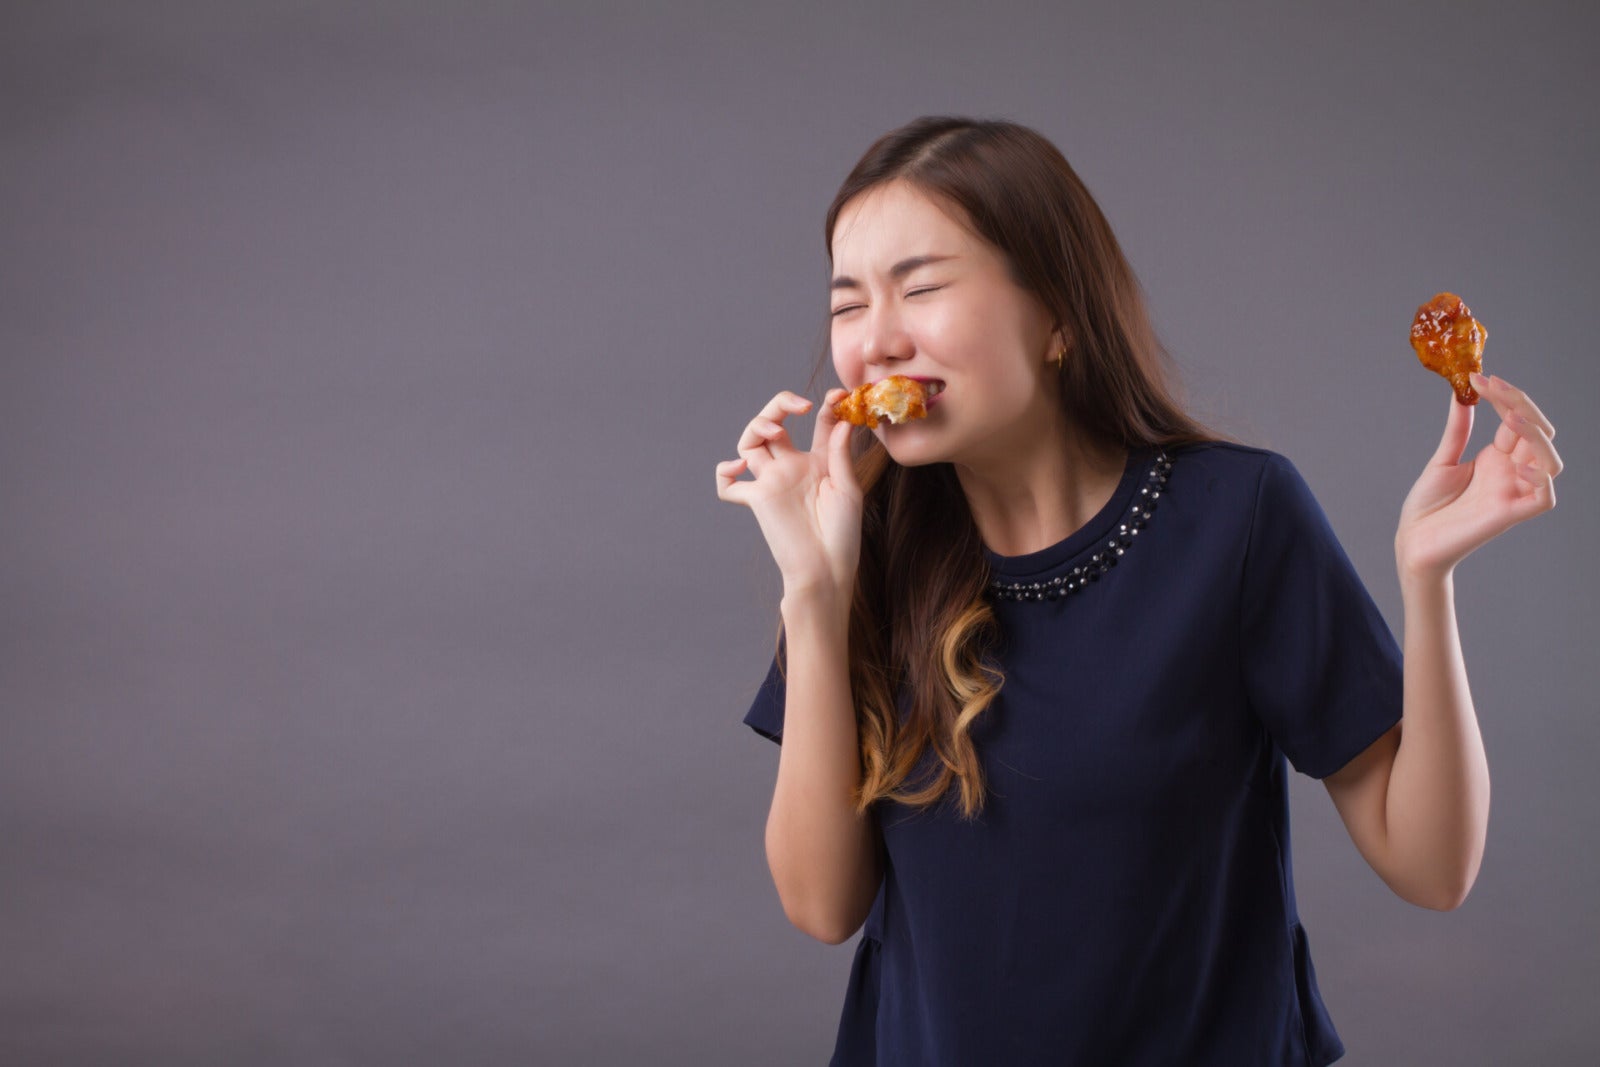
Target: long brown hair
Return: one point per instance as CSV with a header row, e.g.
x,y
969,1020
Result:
x,y
920,628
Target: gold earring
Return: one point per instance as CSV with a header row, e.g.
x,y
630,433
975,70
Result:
x,y
1061,359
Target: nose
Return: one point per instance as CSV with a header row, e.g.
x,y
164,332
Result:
x,y
885,338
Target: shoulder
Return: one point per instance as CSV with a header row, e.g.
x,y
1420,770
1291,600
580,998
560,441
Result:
x,y
1230,457
1256,474
1238,473
1244,493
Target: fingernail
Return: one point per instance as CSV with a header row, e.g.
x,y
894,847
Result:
x,y
1478,380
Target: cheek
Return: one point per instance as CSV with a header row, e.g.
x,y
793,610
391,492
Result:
x,y
958,334
1017,386
851,371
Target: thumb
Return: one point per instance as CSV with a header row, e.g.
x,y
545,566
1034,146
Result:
x,y
841,468
1457,430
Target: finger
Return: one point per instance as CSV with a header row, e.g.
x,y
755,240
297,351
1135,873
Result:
x,y
1505,435
774,433
785,403
1487,390
1457,430
735,493
1506,397
1543,497
728,487
762,440
827,419
841,467
781,405
1544,452
1524,405
752,448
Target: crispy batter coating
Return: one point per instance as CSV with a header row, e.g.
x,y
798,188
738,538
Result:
x,y
1449,341
896,398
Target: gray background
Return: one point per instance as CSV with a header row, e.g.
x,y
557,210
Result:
x,y
374,647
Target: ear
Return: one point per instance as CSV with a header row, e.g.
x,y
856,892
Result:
x,y
1059,340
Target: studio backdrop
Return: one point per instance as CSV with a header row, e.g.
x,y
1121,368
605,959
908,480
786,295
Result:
x,y
373,646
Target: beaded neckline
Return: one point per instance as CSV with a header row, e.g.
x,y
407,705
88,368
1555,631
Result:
x,y
1113,549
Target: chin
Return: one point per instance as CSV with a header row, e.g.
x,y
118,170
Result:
x,y
912,452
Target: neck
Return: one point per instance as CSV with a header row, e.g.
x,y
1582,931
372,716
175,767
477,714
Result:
x,y
1041,494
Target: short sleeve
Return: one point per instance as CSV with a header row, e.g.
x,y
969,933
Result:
x,y
765,716
1322,670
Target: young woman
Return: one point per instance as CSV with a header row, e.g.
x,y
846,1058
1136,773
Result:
x,y
1045,651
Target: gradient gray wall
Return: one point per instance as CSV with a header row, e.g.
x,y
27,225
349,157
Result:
x,y
372,644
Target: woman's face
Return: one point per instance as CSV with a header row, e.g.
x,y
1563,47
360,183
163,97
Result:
x,y
917,293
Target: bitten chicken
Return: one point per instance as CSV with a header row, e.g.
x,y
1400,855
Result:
x,y
896,398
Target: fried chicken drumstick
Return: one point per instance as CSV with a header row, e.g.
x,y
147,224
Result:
x,y
896,398
1449,341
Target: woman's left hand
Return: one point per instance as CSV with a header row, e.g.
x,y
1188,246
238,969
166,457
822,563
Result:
x,y
1457,506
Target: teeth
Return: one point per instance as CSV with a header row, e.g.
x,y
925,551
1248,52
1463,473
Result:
x,y
935,388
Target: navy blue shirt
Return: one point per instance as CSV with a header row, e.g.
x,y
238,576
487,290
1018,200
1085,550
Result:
x,y
1126,896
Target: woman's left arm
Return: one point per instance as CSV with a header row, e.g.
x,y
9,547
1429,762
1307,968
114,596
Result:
x,y
1417,802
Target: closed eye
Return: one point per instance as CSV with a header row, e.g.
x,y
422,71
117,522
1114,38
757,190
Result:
x,y
915,292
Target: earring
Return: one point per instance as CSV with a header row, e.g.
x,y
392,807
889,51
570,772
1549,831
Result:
x,y
1061,359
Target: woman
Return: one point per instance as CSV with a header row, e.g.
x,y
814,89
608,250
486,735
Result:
x,y
1045,651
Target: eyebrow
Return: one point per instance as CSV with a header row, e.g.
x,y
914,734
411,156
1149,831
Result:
x,y
898,271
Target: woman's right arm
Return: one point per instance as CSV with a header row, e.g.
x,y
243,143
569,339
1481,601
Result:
x,y
822,855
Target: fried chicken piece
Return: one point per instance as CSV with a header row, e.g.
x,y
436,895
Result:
x,y
896,398
1449,341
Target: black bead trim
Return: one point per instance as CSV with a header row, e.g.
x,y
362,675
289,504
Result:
x,y
1144,505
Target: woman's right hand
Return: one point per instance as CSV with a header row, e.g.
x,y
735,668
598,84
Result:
x,y
807,503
